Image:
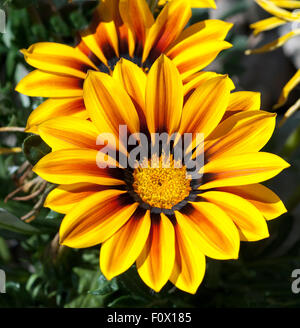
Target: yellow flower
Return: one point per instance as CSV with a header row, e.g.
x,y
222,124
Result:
x,y
195,3
164,219
280,16
121,29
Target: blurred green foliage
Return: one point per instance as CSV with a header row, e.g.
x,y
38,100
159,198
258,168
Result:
x,y
39,274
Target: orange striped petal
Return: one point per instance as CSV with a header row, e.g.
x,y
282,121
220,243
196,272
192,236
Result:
x,y
195,58
120,251
205,107
137,15
156,261
163,108
243,132
71,107
63,198
242,169
244,100
194,81
211,230
108,104
74,166
58,58
42,84
103,42
167,27
95,219
250,222
189,267
264,199
69,132
133,80
207,30
106,11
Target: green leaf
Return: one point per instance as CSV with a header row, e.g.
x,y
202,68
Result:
x,y
88,280
105,287
5,255
11,61
35,148
10,222
128,302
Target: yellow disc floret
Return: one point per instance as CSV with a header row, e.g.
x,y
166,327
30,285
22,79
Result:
x,y
161,186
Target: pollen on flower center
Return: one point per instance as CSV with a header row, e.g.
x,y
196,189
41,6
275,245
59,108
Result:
x,y
160,186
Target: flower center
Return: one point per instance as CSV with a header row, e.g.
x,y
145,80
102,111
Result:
x,y
161,186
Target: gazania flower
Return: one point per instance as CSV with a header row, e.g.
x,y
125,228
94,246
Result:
x,y
121,29
194,3
162,218
280,16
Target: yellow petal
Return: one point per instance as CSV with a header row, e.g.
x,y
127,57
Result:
x,y
120,251
205,107
264,199
63,198
290,112
202,32
103,42
192,82
194,3
137,15
275,44
156,261
164,97
293,82
42,84
244,100
108,104
266,24
72,107
287,3
211,230
58,58
243,132
69,132
107,10
242,169
247,217
74,166
198,56
95,219
203,4
133,79
274,10
189,267
167,27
